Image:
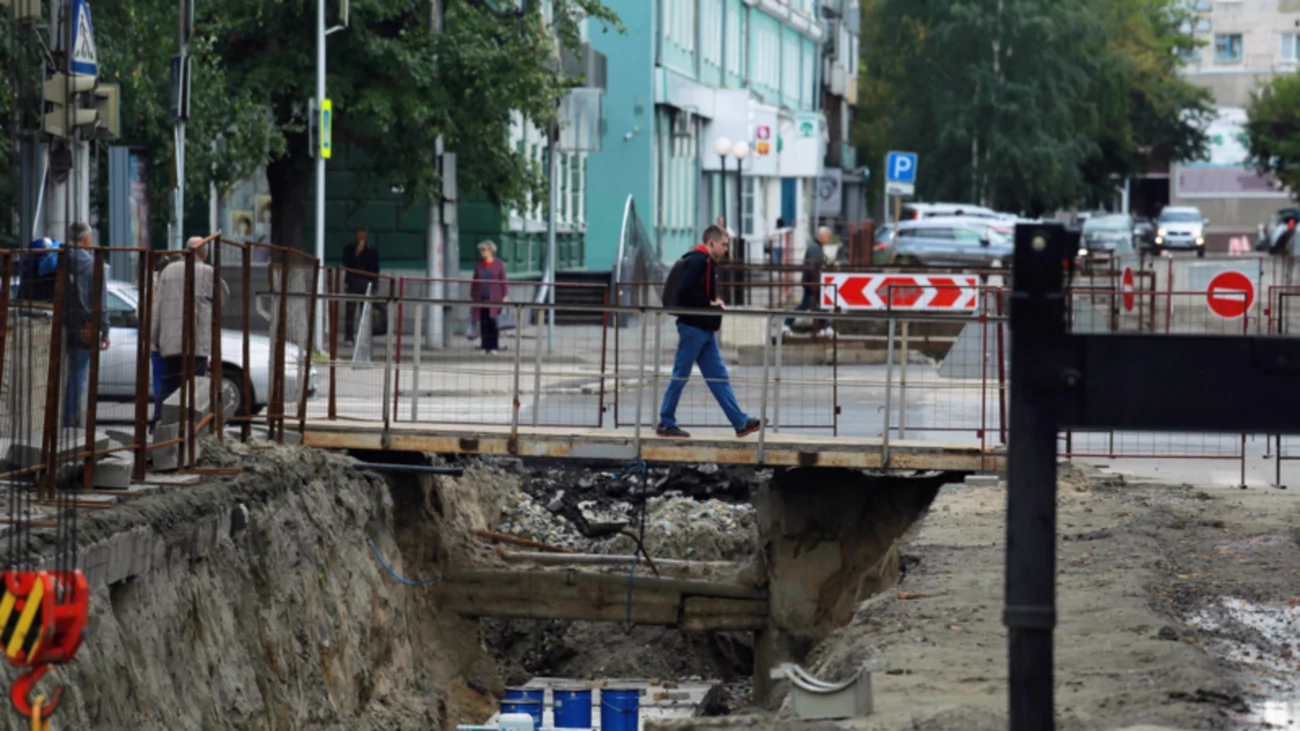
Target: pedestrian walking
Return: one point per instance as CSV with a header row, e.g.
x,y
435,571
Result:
x,y
814,259
693,284
169,315
84,333
361,271
490,285
157,366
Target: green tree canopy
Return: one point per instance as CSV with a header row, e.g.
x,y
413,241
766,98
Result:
x,y
1026,105
1273,130
395,87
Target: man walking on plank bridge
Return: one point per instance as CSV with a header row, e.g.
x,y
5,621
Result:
x,y
692,284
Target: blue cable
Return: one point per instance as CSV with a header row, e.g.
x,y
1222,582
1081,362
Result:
x,y
395,575
640,542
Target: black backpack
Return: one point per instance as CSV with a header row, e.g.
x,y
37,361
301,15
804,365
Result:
x,y
673,284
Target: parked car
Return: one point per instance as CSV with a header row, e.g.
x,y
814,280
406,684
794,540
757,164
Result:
x,y
944,242
1108,236
920,211
1276,236
117,365
1181,228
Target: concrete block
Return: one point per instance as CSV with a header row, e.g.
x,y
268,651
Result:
x,y
171,410
166,459
154,481
121,437
983,480
113,473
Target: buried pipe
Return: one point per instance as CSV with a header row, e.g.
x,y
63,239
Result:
x,y
410,468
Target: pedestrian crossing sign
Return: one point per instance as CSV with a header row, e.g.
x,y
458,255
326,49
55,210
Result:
x,y
85,60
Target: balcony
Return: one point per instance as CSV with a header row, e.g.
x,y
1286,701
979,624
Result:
x,y
587,63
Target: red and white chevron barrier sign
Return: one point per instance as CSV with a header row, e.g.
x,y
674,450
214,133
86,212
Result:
x,y
910,292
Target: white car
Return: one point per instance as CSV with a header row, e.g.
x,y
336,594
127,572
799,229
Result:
x,y
117,365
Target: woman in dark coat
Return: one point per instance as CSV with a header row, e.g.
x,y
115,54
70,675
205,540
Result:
x,y
489,285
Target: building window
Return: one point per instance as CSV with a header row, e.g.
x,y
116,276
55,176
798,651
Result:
x,y
1290,47
1227,48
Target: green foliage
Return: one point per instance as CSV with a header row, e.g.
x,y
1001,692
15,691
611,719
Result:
x,y
1273,129
395,88
1026,104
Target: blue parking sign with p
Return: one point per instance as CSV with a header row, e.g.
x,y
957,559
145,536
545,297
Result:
x,y
900,167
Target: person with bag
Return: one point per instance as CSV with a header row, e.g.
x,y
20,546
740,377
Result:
x,y
83,332
490,285
693,284
167,328
361,273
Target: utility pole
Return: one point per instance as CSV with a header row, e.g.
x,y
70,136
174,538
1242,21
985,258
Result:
x,y
75,71
323,147
553,202
181,113
436,262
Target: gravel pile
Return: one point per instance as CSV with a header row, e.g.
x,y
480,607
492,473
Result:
x,y
524,517
708,530
676,526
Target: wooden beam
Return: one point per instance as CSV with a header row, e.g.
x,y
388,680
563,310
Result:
x,y
592,597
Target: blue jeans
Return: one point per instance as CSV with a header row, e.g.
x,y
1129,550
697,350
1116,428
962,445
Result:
x,y
156,361
700,346
78,371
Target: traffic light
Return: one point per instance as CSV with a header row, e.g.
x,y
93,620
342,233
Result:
x,y
107,111
62,111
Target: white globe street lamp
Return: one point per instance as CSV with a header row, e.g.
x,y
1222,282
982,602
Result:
x,y
722,146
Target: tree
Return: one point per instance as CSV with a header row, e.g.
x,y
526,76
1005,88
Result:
x,y
1152,116
1027,105
1273,131
395,88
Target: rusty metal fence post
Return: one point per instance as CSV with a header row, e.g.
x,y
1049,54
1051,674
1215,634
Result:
x,y
97,314
143,365
54,384
305,363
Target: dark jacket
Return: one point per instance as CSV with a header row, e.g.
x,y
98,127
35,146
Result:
x,y
366,261
78,296
698,288
491,284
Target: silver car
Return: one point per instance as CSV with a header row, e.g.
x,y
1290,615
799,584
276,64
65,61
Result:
x,y
117,365
952,242
1181,227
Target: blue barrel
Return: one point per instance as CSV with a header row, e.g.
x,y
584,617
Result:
x,y
521,693
620,709
572,707
529,706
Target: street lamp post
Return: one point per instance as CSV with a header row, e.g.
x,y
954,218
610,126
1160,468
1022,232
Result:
x,y
740,151
722,148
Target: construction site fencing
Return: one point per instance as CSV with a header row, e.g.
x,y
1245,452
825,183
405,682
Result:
x,y
81,367
279,352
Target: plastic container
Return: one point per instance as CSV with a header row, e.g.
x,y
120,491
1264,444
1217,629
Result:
x,y
519,705
516,722
572,707
620,709
524,693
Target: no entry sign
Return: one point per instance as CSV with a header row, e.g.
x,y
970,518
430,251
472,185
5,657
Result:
x,y
1230,294
913,292
1126,286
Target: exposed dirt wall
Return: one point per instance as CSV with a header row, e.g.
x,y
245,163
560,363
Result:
x,y
256,602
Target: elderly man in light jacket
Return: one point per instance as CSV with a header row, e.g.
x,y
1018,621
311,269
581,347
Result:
x,y
169,316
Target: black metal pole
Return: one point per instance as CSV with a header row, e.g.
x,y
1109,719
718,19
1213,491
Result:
x,y
1037,337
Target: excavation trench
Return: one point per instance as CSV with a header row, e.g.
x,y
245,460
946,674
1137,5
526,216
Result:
x,y
272,599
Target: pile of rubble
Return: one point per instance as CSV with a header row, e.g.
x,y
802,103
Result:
x,y
698,513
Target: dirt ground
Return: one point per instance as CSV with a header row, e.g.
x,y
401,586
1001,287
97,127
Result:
x,y
1160,595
